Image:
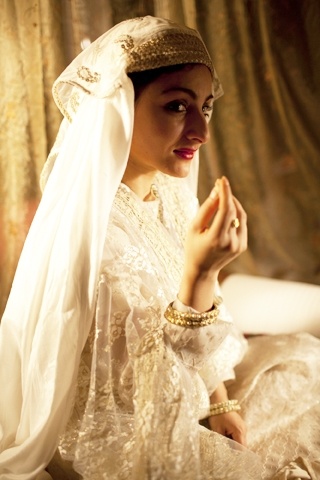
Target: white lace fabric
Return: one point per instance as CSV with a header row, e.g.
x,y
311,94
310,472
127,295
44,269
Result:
x,y
140,391
144,384
278,386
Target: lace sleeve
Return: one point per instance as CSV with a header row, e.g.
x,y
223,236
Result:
x,y
218,364
140,297
141,408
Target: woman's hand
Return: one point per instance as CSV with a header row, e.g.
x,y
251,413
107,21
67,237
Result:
x,y
230,425
212,242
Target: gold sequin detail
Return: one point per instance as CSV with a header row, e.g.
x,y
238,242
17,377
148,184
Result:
x,y
126,42
87,75
168,49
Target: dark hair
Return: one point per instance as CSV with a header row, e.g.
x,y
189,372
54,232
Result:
x,y
141,79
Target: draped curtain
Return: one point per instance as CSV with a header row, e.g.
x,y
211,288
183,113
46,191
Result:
x,y
31,56
264,133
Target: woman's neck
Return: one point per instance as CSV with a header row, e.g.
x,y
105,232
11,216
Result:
x,y
140,184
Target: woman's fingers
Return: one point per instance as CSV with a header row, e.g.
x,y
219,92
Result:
x,y
207,211
220,229
214,237
217,210
242,230
226,213
240,437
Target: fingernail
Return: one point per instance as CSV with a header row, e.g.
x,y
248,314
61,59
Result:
x,y
216,189
226,181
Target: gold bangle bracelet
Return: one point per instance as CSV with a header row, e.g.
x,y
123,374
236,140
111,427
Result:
x,y
224,407
191,319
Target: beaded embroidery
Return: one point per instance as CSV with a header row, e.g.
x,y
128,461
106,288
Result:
x,y
168,49
56,95
87,75
126,203
126,42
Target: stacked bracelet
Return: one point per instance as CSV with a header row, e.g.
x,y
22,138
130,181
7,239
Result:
x,y
224,407
191,319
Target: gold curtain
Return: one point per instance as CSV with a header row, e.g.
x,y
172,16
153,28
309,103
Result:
x,y
264,134
266,128
30,59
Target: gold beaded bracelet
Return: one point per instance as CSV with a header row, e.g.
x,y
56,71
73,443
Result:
x,y
224,407
191,319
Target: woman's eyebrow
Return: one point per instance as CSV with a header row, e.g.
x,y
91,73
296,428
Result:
x,y
185,90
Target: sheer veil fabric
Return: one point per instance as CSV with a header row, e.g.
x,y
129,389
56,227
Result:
x,y
52,302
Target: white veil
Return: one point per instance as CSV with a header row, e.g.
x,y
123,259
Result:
x,y
52,302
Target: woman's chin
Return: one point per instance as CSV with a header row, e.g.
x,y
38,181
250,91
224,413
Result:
x,y
179,172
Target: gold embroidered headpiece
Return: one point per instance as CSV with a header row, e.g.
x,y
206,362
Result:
x,y
134,45
168,48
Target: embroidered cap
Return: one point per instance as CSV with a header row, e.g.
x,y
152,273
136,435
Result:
x,y
133,45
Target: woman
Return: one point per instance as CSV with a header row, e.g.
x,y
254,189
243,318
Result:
x,y
121,338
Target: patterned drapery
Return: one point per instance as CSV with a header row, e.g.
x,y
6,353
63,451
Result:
x,y
264,134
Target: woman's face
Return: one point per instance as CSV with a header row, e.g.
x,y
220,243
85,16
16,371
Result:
x,y
171,122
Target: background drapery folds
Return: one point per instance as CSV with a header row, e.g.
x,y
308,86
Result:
x,y
264,133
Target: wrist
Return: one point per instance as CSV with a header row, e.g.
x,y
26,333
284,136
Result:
x,y
197,290
220,402
220,394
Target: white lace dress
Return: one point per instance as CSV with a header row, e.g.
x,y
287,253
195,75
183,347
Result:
x,y
143,383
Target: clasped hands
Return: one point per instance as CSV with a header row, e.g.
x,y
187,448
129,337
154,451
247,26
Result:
x,y
217,235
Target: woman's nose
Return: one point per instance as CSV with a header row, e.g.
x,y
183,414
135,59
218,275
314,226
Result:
x,y
197,128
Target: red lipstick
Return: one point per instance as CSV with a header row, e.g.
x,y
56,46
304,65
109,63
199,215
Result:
x,y
185,153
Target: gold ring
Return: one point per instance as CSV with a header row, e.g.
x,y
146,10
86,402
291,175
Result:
x,y
235,223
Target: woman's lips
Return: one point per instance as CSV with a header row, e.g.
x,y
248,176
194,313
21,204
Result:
x,y
185,153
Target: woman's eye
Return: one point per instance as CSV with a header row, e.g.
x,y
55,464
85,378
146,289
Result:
x,y
207,110
176,106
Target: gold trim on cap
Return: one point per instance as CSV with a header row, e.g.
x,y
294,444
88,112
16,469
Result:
x,y
167,49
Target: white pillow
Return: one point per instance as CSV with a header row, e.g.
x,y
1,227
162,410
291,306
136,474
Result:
x,y
264,305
